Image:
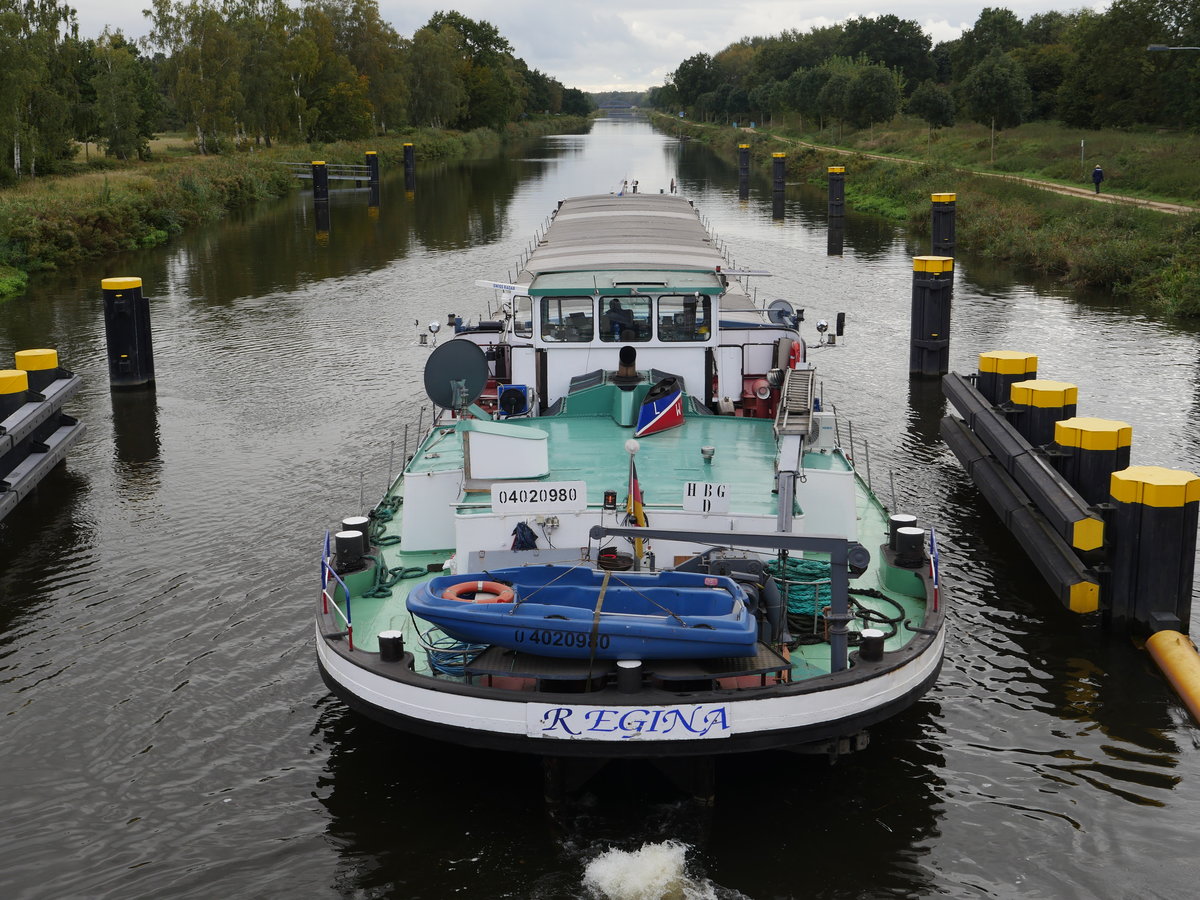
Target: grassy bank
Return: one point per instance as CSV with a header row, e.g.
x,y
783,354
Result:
x,y
62,221
1130,251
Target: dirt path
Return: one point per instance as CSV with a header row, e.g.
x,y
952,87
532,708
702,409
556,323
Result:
x,y
1089,193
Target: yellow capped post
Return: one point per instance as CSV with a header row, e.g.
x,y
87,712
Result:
x,y
1039,405
14,385
1089,450
942,224
320,181
36,360
127,333
999,370
40,366
1153,552
929,341
837,191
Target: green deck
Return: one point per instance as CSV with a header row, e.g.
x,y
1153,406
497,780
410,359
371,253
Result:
x,y
744,460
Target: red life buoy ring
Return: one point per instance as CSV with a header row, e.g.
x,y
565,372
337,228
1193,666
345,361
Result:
x,y
502,593
794,355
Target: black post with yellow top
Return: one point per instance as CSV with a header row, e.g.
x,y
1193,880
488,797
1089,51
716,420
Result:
x,y
778,184
1038,405
943,223
410,168
14,388
127,333
1088,450
837,191
372,167
932,287
743,171
1153,555
320,180
999,370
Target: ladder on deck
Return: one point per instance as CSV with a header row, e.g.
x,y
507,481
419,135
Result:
x,y
794,415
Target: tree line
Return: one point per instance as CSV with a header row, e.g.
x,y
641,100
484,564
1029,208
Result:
x,y
251,72
1086,69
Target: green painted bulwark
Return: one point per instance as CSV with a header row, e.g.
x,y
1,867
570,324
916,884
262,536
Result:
x,y
903,581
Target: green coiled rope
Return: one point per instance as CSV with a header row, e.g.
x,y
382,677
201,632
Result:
x,y
806,584
386,579
380,516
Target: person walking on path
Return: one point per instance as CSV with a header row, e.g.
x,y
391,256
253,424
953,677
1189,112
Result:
x,y
1097,177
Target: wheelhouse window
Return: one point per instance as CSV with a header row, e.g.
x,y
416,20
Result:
x,y
684,318
522,307
567,319
625,319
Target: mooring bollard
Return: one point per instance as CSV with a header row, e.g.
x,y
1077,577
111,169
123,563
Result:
x,y
743,171
1089,451
1153,554
943,224
14,387
932,286
999,370
127,333
372,167
40,367
837,191
410,168
1039,405
320,180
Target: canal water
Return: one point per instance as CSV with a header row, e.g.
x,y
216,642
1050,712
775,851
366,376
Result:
x,y
164,729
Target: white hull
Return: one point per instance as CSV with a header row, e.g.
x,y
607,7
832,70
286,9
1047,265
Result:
x,y
720,722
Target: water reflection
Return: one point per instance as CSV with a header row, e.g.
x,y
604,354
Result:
x,y
836,237
868,820
321,221
44,538
926,405
416,818
136,443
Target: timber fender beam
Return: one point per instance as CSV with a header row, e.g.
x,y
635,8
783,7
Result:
x,y
1075,586
1064,509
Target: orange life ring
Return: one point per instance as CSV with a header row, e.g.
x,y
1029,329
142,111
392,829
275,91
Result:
x,y
456,591
794,355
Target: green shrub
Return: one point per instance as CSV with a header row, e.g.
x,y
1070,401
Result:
x,y
12,282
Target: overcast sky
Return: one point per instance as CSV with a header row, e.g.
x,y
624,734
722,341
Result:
x,y
624,44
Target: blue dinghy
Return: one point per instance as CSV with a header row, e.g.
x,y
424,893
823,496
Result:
x,y
576,612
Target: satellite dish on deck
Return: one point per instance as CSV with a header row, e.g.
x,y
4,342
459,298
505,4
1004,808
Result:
x,y
780,312
456,374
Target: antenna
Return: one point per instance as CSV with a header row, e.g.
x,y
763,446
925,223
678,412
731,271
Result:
x,y
456,374
780,312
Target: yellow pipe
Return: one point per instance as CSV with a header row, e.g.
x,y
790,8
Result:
x,y
1180,662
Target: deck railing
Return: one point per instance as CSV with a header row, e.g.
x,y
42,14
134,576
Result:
x,y
327,600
